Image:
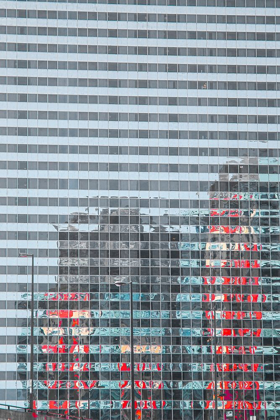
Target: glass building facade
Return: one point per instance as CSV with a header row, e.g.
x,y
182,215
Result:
x,y
140,142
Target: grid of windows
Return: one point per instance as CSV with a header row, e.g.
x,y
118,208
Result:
x,y
140,142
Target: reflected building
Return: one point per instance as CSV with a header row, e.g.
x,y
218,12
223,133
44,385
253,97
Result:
x,y
234,282
140,142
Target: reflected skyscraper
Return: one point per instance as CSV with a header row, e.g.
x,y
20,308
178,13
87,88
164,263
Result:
x,y
139,142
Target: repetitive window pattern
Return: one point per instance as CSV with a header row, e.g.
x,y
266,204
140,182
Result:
x,y
113,116
134,34
138,17
114,49
264,154
170,68
82,82
114,201
199,3
264,168
135,100
130,185
141,143
152,117
136,134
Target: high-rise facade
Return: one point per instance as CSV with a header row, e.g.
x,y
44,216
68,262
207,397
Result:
x,y
140,142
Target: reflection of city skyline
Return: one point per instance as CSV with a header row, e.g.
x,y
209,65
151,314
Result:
x,y
97,247
72,337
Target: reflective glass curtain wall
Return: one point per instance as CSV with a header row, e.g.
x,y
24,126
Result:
x,y
139,141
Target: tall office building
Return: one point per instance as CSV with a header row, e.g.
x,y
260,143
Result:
x,y
139,142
